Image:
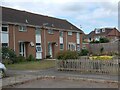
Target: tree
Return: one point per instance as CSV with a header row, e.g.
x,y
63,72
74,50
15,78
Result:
x,y
104,40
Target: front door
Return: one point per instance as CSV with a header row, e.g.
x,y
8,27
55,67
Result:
x,y
50,49
22,49
38,51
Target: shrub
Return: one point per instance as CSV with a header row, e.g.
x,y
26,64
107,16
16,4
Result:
x,y
30,58
64,55
6,61
83,52
104,40
101,40
20,59
9,54
101,58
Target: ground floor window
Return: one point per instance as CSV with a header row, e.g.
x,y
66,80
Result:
x,y
4,44
72,46
61,46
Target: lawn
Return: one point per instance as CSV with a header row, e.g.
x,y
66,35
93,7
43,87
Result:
x,y
33,65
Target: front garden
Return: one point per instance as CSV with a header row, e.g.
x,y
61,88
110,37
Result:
x,y
12,61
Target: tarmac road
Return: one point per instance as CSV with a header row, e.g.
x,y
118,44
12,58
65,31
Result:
x,y
60,83
54,72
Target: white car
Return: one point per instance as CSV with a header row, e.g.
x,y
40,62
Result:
x,y
2,70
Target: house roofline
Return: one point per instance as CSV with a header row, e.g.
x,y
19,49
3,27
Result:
x,y
45,27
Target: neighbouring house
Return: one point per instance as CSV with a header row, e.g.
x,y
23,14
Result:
x,y
110,33
29,33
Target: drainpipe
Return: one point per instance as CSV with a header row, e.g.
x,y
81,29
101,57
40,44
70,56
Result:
x,y
45,42
14,36
66,40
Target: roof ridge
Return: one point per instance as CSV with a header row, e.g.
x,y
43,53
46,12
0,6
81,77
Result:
x,y
33,13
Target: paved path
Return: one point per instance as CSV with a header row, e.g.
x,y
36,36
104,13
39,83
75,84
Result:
x,y
54,72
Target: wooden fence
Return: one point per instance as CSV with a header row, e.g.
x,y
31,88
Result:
x,y
89,66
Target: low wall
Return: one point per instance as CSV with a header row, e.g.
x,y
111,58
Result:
x,y
108,48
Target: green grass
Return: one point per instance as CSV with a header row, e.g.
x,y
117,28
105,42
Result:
x,y
33,65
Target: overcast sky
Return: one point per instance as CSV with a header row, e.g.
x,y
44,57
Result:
x,y
85,14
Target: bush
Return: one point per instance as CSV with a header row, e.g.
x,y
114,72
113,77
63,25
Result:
x,y
9,54
31,58
102,40
64,55
84,52
101,58
20,59
6,61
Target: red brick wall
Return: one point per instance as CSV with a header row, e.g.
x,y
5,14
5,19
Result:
x,y
29,36
22,36
55,38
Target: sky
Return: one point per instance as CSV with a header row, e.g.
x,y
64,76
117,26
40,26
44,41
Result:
x,y
85,14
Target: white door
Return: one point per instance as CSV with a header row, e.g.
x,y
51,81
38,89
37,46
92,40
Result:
x,y
22,49
38,44
50,49
38,52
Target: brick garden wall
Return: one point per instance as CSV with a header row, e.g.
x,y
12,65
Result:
x,y
109,48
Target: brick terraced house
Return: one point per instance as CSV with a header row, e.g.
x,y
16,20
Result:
x,y
112,34
29,33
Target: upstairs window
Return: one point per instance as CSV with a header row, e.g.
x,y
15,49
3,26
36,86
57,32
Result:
x,y
4,28
70,33
50,31
78,35
22,28
37,31
97,31
61,34
103,30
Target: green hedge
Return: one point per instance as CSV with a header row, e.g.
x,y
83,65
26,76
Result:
x,y
64,55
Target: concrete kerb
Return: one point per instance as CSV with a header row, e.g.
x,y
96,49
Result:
x,y
61,78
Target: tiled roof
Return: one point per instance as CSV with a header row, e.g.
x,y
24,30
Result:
x,y
17,16
108,32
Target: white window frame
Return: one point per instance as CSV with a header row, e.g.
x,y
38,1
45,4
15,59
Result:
x,y
78,35
97,31
61,33
5,32
103,30
50,31
23,28
38,46
70,48
70,33
63,46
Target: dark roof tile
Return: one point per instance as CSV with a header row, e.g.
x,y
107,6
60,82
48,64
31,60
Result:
x,y
17,16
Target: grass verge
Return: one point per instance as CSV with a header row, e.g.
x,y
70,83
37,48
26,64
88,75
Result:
x,y
33,65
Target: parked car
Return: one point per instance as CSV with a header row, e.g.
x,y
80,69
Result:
x,y
2,70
